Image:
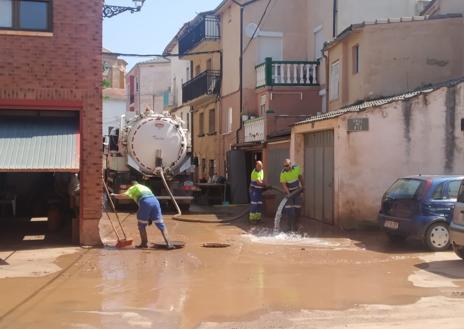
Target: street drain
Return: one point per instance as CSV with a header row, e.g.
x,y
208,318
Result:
x,y
457,294
215,245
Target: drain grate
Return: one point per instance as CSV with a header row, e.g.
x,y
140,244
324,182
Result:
x,y
457,294
215,245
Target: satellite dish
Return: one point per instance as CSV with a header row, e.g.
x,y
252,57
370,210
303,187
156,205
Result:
x,y
252,30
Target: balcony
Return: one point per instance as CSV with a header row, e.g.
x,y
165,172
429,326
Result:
x,y
255,130
206,29
286,73
204,85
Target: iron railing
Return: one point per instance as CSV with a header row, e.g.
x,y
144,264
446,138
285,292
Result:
x,y
206,29
206,83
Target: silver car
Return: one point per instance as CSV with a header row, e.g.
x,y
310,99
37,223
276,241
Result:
x,y
457,225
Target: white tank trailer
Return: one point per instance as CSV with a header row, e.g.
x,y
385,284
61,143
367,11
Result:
x,y
142,145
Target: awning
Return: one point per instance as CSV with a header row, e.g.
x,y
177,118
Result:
x,y
39,144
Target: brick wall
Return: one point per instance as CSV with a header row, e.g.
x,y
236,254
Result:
x,y
63,68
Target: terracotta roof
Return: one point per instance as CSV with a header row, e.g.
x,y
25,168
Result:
x,y
379,102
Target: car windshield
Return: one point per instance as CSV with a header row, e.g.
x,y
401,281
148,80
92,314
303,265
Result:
x,y
405,188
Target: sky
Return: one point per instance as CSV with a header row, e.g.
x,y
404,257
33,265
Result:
x,y
150,30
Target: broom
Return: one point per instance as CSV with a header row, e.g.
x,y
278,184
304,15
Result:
x,y
122,242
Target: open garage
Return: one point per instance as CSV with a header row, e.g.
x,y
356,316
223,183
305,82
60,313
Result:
x,y
39,176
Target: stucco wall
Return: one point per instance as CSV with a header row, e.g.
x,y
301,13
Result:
x,y
112,111
154,80
419,136
424,52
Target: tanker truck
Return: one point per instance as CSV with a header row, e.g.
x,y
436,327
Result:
x,y
143,145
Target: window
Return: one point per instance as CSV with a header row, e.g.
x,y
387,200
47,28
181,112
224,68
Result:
x,y
262,104
187,73
29,15
438,193
131,89
197,70
461,193
453,189
318,42
334,91
209,64
203,167
188,121
355,54
212,121
229,120
405,188
202,124
212,168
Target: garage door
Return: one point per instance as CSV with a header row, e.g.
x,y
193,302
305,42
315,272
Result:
x,y
319,176
39,144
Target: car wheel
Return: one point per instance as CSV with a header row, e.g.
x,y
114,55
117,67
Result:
x,y
437,237
396,237
459,250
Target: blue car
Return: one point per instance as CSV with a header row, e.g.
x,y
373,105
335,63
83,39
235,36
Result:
x,y
420,207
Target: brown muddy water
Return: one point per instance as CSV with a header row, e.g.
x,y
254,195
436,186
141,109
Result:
x,y
317,280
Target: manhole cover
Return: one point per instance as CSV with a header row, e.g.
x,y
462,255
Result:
x,y
215,245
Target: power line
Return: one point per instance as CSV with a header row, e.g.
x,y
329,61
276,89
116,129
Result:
x,y
257,27
163,55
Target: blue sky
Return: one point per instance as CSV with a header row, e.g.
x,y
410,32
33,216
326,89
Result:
x,y
149,31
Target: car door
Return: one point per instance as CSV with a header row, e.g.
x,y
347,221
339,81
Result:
x,y
443,199
458,216
450,196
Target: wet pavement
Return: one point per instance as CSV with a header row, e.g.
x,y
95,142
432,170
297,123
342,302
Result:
x,y
324,279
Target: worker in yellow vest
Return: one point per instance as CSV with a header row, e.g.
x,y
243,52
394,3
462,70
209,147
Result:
x,y
149,212
291,180
256,193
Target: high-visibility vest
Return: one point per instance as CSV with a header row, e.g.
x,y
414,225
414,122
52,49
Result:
x,y
291,177
138,191
255,177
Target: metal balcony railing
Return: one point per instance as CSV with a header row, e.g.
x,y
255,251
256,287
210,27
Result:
x,y
206,29
286,73
206,83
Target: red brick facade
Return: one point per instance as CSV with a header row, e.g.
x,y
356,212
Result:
x,y
62,70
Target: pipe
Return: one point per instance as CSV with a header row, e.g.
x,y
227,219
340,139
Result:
x,y
335,17
237,133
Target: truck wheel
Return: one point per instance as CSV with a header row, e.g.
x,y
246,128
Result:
x,y
437,237
459,250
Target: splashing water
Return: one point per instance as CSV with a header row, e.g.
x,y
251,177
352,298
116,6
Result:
x,y
267,236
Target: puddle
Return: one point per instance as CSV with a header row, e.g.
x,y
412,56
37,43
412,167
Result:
x,y
266,236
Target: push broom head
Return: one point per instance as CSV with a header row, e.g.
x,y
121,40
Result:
x,y
123,243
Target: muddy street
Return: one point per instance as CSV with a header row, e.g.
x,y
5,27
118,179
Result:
x,y
326,279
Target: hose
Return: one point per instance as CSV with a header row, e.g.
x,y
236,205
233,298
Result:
x,y
179,217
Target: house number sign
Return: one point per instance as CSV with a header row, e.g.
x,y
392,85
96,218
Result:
x,y
361,124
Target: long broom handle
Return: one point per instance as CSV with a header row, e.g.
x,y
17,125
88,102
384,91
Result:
x,y
114,208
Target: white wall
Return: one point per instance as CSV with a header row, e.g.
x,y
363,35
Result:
x,y
178,77
154,80
112,111
419,136
357,11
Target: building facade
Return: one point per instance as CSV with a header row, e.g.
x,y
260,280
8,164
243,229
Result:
x,y
148,85
114,90
180,74
328,19
425,52
352,156
47,94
